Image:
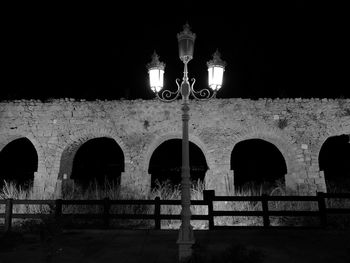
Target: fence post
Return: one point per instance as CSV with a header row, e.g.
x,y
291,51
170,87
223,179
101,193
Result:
x,y
265,209
157,213
8,214
322,208
208,196
106,210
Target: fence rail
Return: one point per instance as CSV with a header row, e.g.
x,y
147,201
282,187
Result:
x,y
208,199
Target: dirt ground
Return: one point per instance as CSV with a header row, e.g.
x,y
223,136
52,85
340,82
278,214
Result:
x,y
131,246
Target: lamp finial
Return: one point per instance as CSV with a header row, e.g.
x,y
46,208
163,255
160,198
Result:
x,y
216,60
155,63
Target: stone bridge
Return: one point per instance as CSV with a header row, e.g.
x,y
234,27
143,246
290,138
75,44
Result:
x,y
57,128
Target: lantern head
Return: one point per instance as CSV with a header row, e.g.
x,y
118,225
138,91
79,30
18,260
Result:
x,y
216,68
186,43
156,73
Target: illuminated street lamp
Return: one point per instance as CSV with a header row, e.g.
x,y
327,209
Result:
x,y
216,68
156,73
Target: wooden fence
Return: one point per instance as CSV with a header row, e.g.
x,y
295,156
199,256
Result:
x,y
208,200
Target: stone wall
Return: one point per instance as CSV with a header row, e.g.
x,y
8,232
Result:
x,y
297,127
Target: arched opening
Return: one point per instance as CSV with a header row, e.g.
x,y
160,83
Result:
x,y
258,166
99,160
18,162
334,160
166,162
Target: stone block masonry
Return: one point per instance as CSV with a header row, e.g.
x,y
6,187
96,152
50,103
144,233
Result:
x,y
297,127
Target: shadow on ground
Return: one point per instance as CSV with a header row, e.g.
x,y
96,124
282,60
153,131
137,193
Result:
x,y
152,246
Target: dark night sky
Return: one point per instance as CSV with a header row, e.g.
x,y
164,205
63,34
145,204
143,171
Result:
x,y
273,49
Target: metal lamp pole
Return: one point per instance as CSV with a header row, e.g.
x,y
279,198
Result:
x,y
156,71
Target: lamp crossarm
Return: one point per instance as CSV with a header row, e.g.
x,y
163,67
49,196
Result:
x,y
203,95
167,95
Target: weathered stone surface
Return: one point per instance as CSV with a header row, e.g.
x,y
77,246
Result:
x,y
298,128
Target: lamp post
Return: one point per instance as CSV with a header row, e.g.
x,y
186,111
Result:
x,y
216,68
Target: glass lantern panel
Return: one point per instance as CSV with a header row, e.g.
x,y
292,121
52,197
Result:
x,y
186,46
156,79
215,76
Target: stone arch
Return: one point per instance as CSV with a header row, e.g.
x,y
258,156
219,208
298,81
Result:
x,y
98,160
280,141
264,172
168,168
160,139
9,137
274,136
64,157
330,133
